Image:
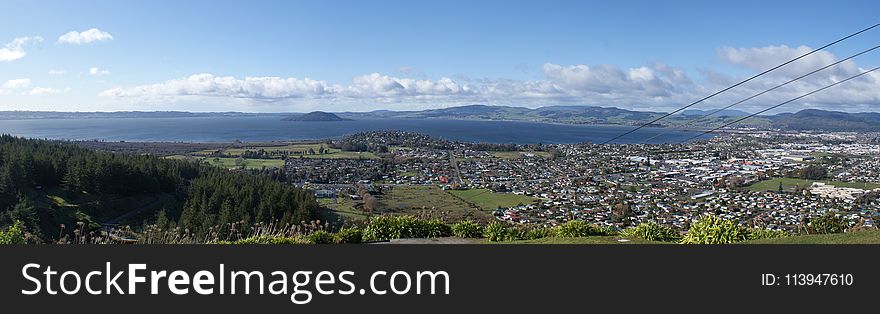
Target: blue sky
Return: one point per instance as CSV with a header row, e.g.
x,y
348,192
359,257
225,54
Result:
x,y
364,55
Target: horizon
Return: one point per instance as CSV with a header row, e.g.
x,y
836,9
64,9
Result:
x,y
391,110
349,56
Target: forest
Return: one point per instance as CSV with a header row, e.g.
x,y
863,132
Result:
x,y
51,187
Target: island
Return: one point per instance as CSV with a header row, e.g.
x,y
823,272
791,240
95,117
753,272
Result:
x,y
316,116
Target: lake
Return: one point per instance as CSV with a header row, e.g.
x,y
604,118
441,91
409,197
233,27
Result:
x,y
253,129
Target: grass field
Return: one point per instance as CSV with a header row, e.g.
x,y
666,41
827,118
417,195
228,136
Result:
x,y
427,199
790,184
488,200
303,149
248,163
518,155
343,207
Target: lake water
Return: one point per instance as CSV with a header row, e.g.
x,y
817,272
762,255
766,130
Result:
x,y
228,129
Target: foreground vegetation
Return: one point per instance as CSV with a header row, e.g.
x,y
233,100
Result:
x,y
59,192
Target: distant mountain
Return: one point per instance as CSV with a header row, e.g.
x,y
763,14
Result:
x,y
821,120
722,113
315,116
26,115
551,114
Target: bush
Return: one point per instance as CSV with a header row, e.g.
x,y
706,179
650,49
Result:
x,y
13,234
433,228
710,229
652,232
383,228
349,235
538,233
514,233
467,229
320,237
827,223
580,228
757,234
495,231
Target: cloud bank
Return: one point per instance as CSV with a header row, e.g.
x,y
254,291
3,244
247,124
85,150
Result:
x,y
655,86
85,37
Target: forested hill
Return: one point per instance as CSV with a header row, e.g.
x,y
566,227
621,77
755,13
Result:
x,y
48,184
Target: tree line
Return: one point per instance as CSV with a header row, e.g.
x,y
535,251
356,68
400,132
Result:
x,y
203,195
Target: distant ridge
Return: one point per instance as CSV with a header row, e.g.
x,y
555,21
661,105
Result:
x,y
804,120
821,120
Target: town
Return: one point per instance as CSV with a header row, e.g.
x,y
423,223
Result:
x,y
766,179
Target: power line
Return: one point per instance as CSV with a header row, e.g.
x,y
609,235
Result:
x,y
771,89
783,103
740,83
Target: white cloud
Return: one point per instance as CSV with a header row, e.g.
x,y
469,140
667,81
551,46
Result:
x,y
96,71
14,50
57,72
37,91
18,83
377,85
85,37
763,58
208,85
655,87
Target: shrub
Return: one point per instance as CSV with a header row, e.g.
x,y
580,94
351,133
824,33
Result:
x,y
320,237
757,234
827,223
467,229
514,233
13,234
710,229
349,235
383,228
580,228
652,232
538,233
433,228
495,231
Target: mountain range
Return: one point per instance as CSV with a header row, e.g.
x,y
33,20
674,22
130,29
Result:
x,y
804,120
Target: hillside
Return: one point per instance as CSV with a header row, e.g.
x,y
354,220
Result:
x,y
54,188
820,120
550,114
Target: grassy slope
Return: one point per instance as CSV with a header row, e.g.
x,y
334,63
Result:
x,y
488,200
414,199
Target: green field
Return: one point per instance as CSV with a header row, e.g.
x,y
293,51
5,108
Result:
x,y
518,155
303,150
344,207
488,200
429,200
789,184
248,163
